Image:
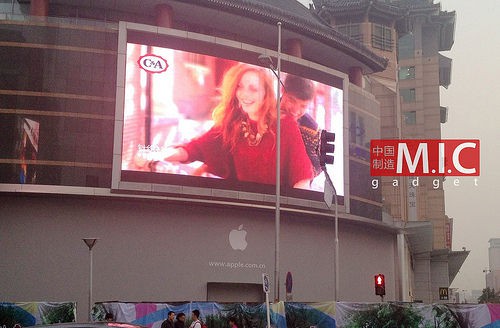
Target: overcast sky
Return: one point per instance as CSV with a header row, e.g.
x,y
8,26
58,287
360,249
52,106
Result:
x,y
473,99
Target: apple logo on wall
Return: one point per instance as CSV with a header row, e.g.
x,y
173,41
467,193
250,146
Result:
x,y
237,238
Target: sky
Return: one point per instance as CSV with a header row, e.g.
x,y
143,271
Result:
x,y
472,100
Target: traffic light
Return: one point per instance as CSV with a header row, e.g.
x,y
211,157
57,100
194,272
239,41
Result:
x,y
379,284
326,147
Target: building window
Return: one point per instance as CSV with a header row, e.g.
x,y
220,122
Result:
x,y
443,114
407,72
381,37
357,129
410,118
408,95
406,47
351,30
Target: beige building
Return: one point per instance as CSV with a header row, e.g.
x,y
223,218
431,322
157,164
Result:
x,y
166,238
493,273
410,34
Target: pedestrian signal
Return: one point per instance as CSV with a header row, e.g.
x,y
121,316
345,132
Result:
x,y
379,284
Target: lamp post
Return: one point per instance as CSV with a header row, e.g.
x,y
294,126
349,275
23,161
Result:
x,y
266,60
90,242
278,172
486,271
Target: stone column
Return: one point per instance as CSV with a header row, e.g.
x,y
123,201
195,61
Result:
x,y
356,76
294,47
164,15
39,8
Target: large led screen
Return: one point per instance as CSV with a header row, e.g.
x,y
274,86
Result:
x,y
192,115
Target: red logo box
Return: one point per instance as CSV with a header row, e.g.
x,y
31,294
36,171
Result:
x,y
421,157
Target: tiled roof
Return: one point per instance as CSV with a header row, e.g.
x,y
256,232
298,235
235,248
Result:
x,y
394,7
298,18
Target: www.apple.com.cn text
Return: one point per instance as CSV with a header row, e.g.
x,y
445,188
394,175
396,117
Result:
x,y
236,265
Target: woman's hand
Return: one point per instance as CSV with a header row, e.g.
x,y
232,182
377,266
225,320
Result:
x,y
174,154
170,154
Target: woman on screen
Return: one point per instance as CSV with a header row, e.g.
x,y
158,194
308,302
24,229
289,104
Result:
x,y
242,143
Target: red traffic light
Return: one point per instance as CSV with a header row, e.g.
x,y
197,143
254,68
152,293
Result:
x,y
379,284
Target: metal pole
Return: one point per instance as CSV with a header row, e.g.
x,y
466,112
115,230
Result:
x,y
90,242
337,288
90,285
278,180
330,188
268,315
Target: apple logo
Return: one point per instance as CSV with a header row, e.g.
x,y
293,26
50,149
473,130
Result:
x,y
237,238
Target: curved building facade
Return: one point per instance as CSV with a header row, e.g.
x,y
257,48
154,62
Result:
x,y
81,105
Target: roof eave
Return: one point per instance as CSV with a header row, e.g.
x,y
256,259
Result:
x,y
320,32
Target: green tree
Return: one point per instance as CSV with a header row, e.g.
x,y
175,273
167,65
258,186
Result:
x,y
215,321
64,312
443,317
489,296
246,316
386,316
297,316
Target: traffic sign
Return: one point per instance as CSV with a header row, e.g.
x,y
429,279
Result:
x,y
328,191
265,283
289,282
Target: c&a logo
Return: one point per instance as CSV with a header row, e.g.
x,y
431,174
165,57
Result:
x,y
420,157
152,63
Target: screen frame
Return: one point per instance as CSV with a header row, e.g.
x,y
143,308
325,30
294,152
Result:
x,y
234,50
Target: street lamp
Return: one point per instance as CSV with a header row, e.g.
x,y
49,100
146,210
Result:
x,y
268,61
486,271
278,173
90,242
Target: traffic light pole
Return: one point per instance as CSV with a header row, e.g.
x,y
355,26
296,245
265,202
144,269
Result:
x,y
336,238
337,284
326,150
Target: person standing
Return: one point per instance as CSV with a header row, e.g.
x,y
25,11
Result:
x,y
180,320
232,323
195,315
169,322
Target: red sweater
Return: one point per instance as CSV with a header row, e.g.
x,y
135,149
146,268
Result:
x,y
255,163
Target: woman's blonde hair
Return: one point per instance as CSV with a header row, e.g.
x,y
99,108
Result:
x,y
228,114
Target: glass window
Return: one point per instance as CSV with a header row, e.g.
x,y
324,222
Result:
x,y
406,46
382,37
357,130
351,30
408,95
443,114
407,72
410,118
